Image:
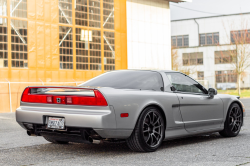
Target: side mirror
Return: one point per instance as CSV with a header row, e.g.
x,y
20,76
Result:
x,y
212,92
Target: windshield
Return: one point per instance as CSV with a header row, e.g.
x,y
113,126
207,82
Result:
x,y
144,80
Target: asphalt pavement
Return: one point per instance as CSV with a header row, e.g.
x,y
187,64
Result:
x,y
17,148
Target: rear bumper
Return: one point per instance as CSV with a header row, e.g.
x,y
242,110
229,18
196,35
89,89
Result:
x,y
100,119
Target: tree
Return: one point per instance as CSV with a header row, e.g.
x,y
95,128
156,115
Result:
x,y
176,63
239,51
241,56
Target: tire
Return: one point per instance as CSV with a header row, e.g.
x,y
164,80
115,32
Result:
x,y
233,121
54,141
149,131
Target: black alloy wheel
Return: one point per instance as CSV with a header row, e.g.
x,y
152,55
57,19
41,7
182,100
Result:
x,y
152,128
149,131
233,121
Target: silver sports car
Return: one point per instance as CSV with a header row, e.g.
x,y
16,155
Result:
x,y
140,107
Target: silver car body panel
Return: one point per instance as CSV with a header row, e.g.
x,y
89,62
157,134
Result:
x,y
185,114
200,112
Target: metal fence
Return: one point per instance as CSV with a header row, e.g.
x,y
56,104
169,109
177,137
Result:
x,y
10,92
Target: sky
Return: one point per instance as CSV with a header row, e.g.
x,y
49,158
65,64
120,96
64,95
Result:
x,y
205,8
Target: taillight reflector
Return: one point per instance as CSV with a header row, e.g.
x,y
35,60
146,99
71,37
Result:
x,y
97,100
69,100
49,99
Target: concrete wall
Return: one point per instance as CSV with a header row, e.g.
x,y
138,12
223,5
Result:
x,y
148,34
223,25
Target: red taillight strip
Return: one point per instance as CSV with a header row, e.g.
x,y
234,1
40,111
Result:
x,y
25,97
100,100
97,100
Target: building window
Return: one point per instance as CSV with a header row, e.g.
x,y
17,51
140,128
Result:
x,y
209,39
108,14
18,8
88,49
95,50
65,11
3,43
87,13
180,41
81,12
19,42
240,37
227,76
66,47
189,59
82,45
200,75
224,57
94,13
109,50
3,9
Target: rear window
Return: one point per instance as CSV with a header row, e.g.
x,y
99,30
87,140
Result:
x,y
144,80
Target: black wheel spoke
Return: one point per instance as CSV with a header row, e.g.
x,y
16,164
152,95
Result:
x,y
152,140
148,138
156,140
238,116
153,117
232,127
231,122
157,133
237,121
156,121
237,111
150,120
158,126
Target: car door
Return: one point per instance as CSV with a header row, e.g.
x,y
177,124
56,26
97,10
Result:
x,y
199,111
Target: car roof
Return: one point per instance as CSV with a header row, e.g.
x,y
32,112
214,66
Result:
x,y
169,71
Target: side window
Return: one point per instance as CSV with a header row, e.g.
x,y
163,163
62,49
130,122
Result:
x,y
183,83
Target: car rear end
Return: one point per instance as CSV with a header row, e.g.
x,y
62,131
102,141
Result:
x,y
73,114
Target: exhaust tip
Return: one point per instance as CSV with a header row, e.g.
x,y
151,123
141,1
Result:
x,y
95,141
31,133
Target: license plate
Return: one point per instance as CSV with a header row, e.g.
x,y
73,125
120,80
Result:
x,y
55,123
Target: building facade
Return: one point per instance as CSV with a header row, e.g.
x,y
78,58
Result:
x,y
56,41
205,47
62,40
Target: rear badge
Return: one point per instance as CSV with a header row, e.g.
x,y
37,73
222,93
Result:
x,y
58,100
